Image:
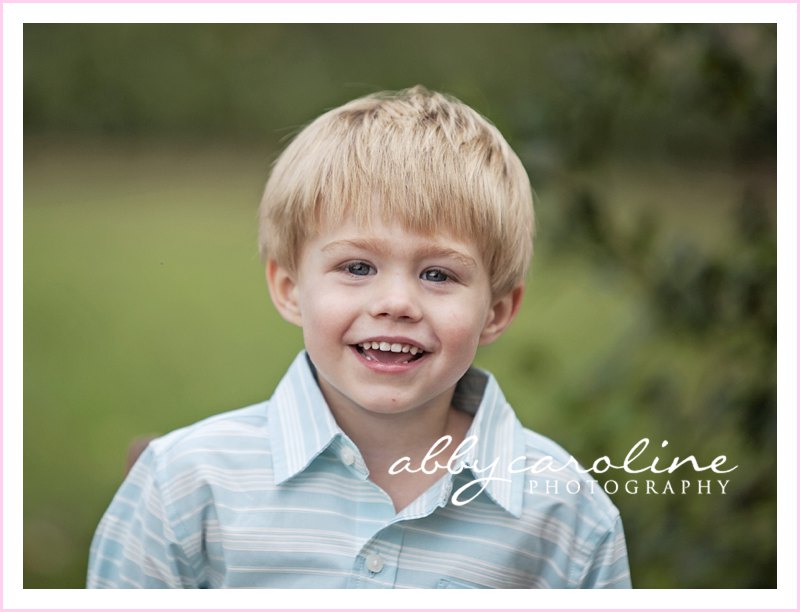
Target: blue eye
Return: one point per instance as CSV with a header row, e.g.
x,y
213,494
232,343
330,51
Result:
x,y
359,268
435,275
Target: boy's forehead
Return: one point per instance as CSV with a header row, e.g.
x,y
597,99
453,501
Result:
x,y
385,229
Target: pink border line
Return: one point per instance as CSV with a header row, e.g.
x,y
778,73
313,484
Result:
x,y
2,304
400,2
2,167
797,296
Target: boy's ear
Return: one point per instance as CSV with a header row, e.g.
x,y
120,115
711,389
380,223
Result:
x,y
283,291
501,314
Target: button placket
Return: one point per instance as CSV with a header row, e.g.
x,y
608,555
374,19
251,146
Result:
x,y
377,561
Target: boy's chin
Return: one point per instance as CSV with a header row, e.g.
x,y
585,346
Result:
x,y
392,402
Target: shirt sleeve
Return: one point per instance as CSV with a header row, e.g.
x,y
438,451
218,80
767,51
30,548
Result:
x,y
607,567
135,545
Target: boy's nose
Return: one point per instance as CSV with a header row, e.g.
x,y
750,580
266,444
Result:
x,y
395,298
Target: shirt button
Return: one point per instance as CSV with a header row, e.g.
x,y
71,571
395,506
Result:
x,y
348,456
374,563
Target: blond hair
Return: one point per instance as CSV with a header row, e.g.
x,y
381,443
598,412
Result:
x,y
420,158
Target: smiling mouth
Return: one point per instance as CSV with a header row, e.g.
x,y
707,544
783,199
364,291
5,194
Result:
x,y
389,353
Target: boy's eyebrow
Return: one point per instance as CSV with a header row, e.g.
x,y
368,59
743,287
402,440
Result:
x,y
378,246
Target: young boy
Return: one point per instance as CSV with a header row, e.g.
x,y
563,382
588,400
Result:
x,y
396,231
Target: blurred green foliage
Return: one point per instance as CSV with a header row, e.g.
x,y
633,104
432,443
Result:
x,y
575,91
650,310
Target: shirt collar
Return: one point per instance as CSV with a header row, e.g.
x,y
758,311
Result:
x,y
301,421
499,438
304,427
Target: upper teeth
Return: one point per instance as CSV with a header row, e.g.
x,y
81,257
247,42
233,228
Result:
x,y
393,347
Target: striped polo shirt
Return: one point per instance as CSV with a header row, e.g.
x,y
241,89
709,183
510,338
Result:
x,y
277,495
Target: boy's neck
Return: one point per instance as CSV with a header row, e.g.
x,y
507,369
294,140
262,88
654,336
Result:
x,y
382,439
391,437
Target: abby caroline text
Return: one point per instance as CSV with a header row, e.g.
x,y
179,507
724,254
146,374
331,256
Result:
x,y
633,463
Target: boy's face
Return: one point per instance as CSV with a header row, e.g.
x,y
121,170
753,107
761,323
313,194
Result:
x,y
390,319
